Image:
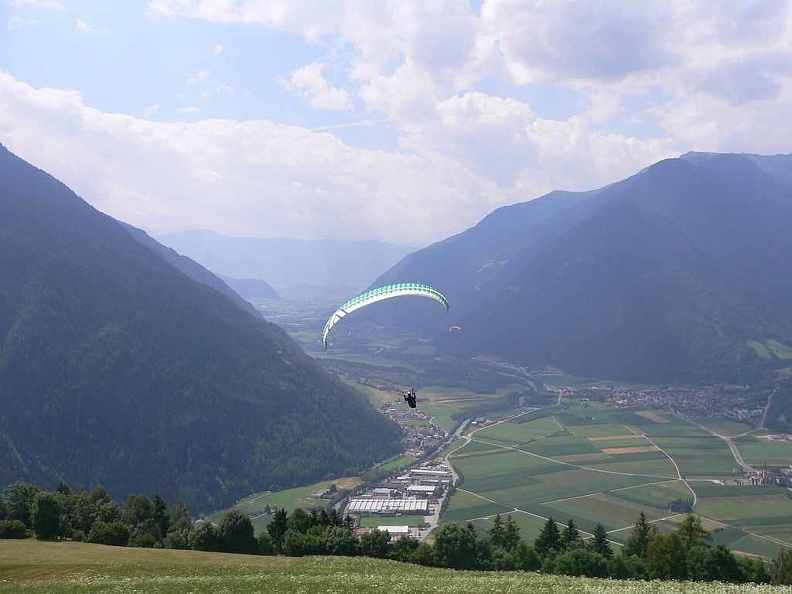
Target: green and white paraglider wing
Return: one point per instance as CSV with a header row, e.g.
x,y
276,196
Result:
x,y
380,294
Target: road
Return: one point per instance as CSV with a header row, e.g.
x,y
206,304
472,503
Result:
x,y
732,446
767,408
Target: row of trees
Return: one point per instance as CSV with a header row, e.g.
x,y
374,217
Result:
x,y
685,553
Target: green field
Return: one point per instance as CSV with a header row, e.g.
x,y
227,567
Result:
x,y
764,451
289,499
527,465
71,568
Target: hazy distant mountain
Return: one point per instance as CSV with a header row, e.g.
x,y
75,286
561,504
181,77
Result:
x,y
665,276
191,268
251,288
116,368
286,263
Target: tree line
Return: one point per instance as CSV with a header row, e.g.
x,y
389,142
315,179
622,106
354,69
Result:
x,y
684,554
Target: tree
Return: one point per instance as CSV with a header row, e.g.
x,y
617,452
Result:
x,y
109,533
13,529
236,533
206,537
45,516
277,528
375,544
137,509
496,533
638,541
424,555
511,534
456,547
265,543
782,567
296,544
299,521
335,518
570,536
754,570
549,539
180,527
340,541
159,513
582,562
626,567
720,565
692,532
600,543
19,499
666,557
404,549
524,558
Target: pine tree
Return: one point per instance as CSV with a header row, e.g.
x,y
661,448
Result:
x,y
549,539
277,528
511,534
570,536
692,532
160,515
638,541
496,533
600,543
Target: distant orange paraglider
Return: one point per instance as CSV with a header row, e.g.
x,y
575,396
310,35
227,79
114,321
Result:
x,y
455,329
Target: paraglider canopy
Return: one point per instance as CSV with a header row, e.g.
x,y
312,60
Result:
x,y
454,329
380,294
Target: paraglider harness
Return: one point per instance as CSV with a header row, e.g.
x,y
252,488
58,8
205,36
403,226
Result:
x,y
410,397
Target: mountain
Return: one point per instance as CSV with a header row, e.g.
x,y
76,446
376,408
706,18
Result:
x,y
290,264
191,268
679,273
116,368
251,288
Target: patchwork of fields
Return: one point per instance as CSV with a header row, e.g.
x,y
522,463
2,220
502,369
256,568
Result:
x,y
593,463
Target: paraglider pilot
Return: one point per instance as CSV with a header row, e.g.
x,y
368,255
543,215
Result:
x,y
410,397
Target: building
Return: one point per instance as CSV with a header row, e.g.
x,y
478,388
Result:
x,y
424,491
388,506
396,532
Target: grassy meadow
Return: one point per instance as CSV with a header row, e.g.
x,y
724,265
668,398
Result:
x,y
78,568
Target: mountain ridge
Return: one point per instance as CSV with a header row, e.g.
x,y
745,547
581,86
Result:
x,y
116,368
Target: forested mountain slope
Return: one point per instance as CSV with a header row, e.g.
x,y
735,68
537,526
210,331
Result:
x,y
672,275
116,368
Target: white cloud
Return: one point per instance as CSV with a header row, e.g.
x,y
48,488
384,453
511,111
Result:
x,y
151,110
217,50
202,75
225,89
204,95
308,83
83,28
189,110
17,22
236,176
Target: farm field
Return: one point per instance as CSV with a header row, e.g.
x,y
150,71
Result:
x,y
71,568
593,463
289,499
760,451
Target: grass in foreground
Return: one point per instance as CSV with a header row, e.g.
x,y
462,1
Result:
x,y
36,567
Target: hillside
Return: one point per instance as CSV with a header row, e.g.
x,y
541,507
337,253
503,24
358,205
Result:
x,y
290,265
35,567
666,276
251,288
116,368
191,268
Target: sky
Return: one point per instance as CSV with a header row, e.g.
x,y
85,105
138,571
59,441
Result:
x,y
400,120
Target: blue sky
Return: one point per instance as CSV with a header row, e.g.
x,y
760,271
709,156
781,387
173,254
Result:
x,y
392,120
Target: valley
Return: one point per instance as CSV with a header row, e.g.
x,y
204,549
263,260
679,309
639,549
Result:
x,y
537,443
